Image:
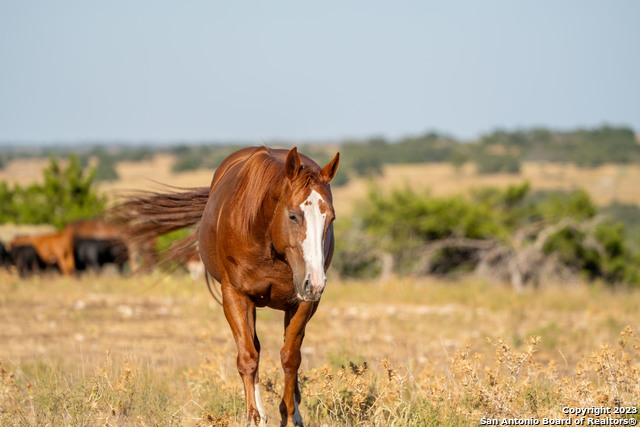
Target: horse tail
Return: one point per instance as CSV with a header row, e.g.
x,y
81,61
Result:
x,y
148,215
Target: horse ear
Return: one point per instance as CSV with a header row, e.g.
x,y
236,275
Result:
x,y
292,164
328,172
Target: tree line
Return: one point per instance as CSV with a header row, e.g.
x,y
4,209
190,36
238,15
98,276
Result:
x,y
497,151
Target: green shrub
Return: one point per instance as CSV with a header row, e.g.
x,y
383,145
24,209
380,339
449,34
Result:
x,y
67,194
444,235
106,169
488,163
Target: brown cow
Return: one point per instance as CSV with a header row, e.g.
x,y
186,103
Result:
x,y
52,248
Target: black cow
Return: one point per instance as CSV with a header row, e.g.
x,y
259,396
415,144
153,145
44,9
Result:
x,y
93,254
26,260
5,256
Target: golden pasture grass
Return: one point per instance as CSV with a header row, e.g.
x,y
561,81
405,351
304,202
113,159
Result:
x,y
155,350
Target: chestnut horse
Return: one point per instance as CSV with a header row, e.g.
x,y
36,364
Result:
x,y
266,235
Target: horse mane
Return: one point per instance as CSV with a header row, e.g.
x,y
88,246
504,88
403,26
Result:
x,y
262,172
147,214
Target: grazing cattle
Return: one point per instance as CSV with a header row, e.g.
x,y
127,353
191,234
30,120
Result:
x,y
25,258
5,256
51,248
93,254
98,243
114,252
266,234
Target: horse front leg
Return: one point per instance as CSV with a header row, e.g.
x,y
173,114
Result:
x,y
240,312
295,321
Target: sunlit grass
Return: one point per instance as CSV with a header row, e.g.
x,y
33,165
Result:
x,y
155,350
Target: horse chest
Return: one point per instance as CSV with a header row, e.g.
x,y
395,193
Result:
x,y
268,283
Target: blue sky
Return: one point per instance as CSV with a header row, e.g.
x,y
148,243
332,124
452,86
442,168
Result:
x,y
167,71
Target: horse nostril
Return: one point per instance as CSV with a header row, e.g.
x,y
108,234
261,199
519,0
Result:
x,y
307,286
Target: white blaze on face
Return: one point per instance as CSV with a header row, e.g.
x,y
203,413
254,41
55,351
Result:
x,y
313,244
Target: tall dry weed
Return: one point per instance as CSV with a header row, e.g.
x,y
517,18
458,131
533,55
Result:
x,y
516,385
510,383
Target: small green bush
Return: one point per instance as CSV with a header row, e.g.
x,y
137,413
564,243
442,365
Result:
x,y
67,194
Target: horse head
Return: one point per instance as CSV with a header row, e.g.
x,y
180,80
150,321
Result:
x,y
303,224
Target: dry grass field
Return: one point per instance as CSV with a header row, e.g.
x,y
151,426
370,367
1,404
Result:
x,y
155,349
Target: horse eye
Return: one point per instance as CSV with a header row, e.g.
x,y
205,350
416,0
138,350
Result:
x,y
293,217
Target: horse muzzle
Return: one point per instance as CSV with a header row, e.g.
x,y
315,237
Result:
x,y
311,290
